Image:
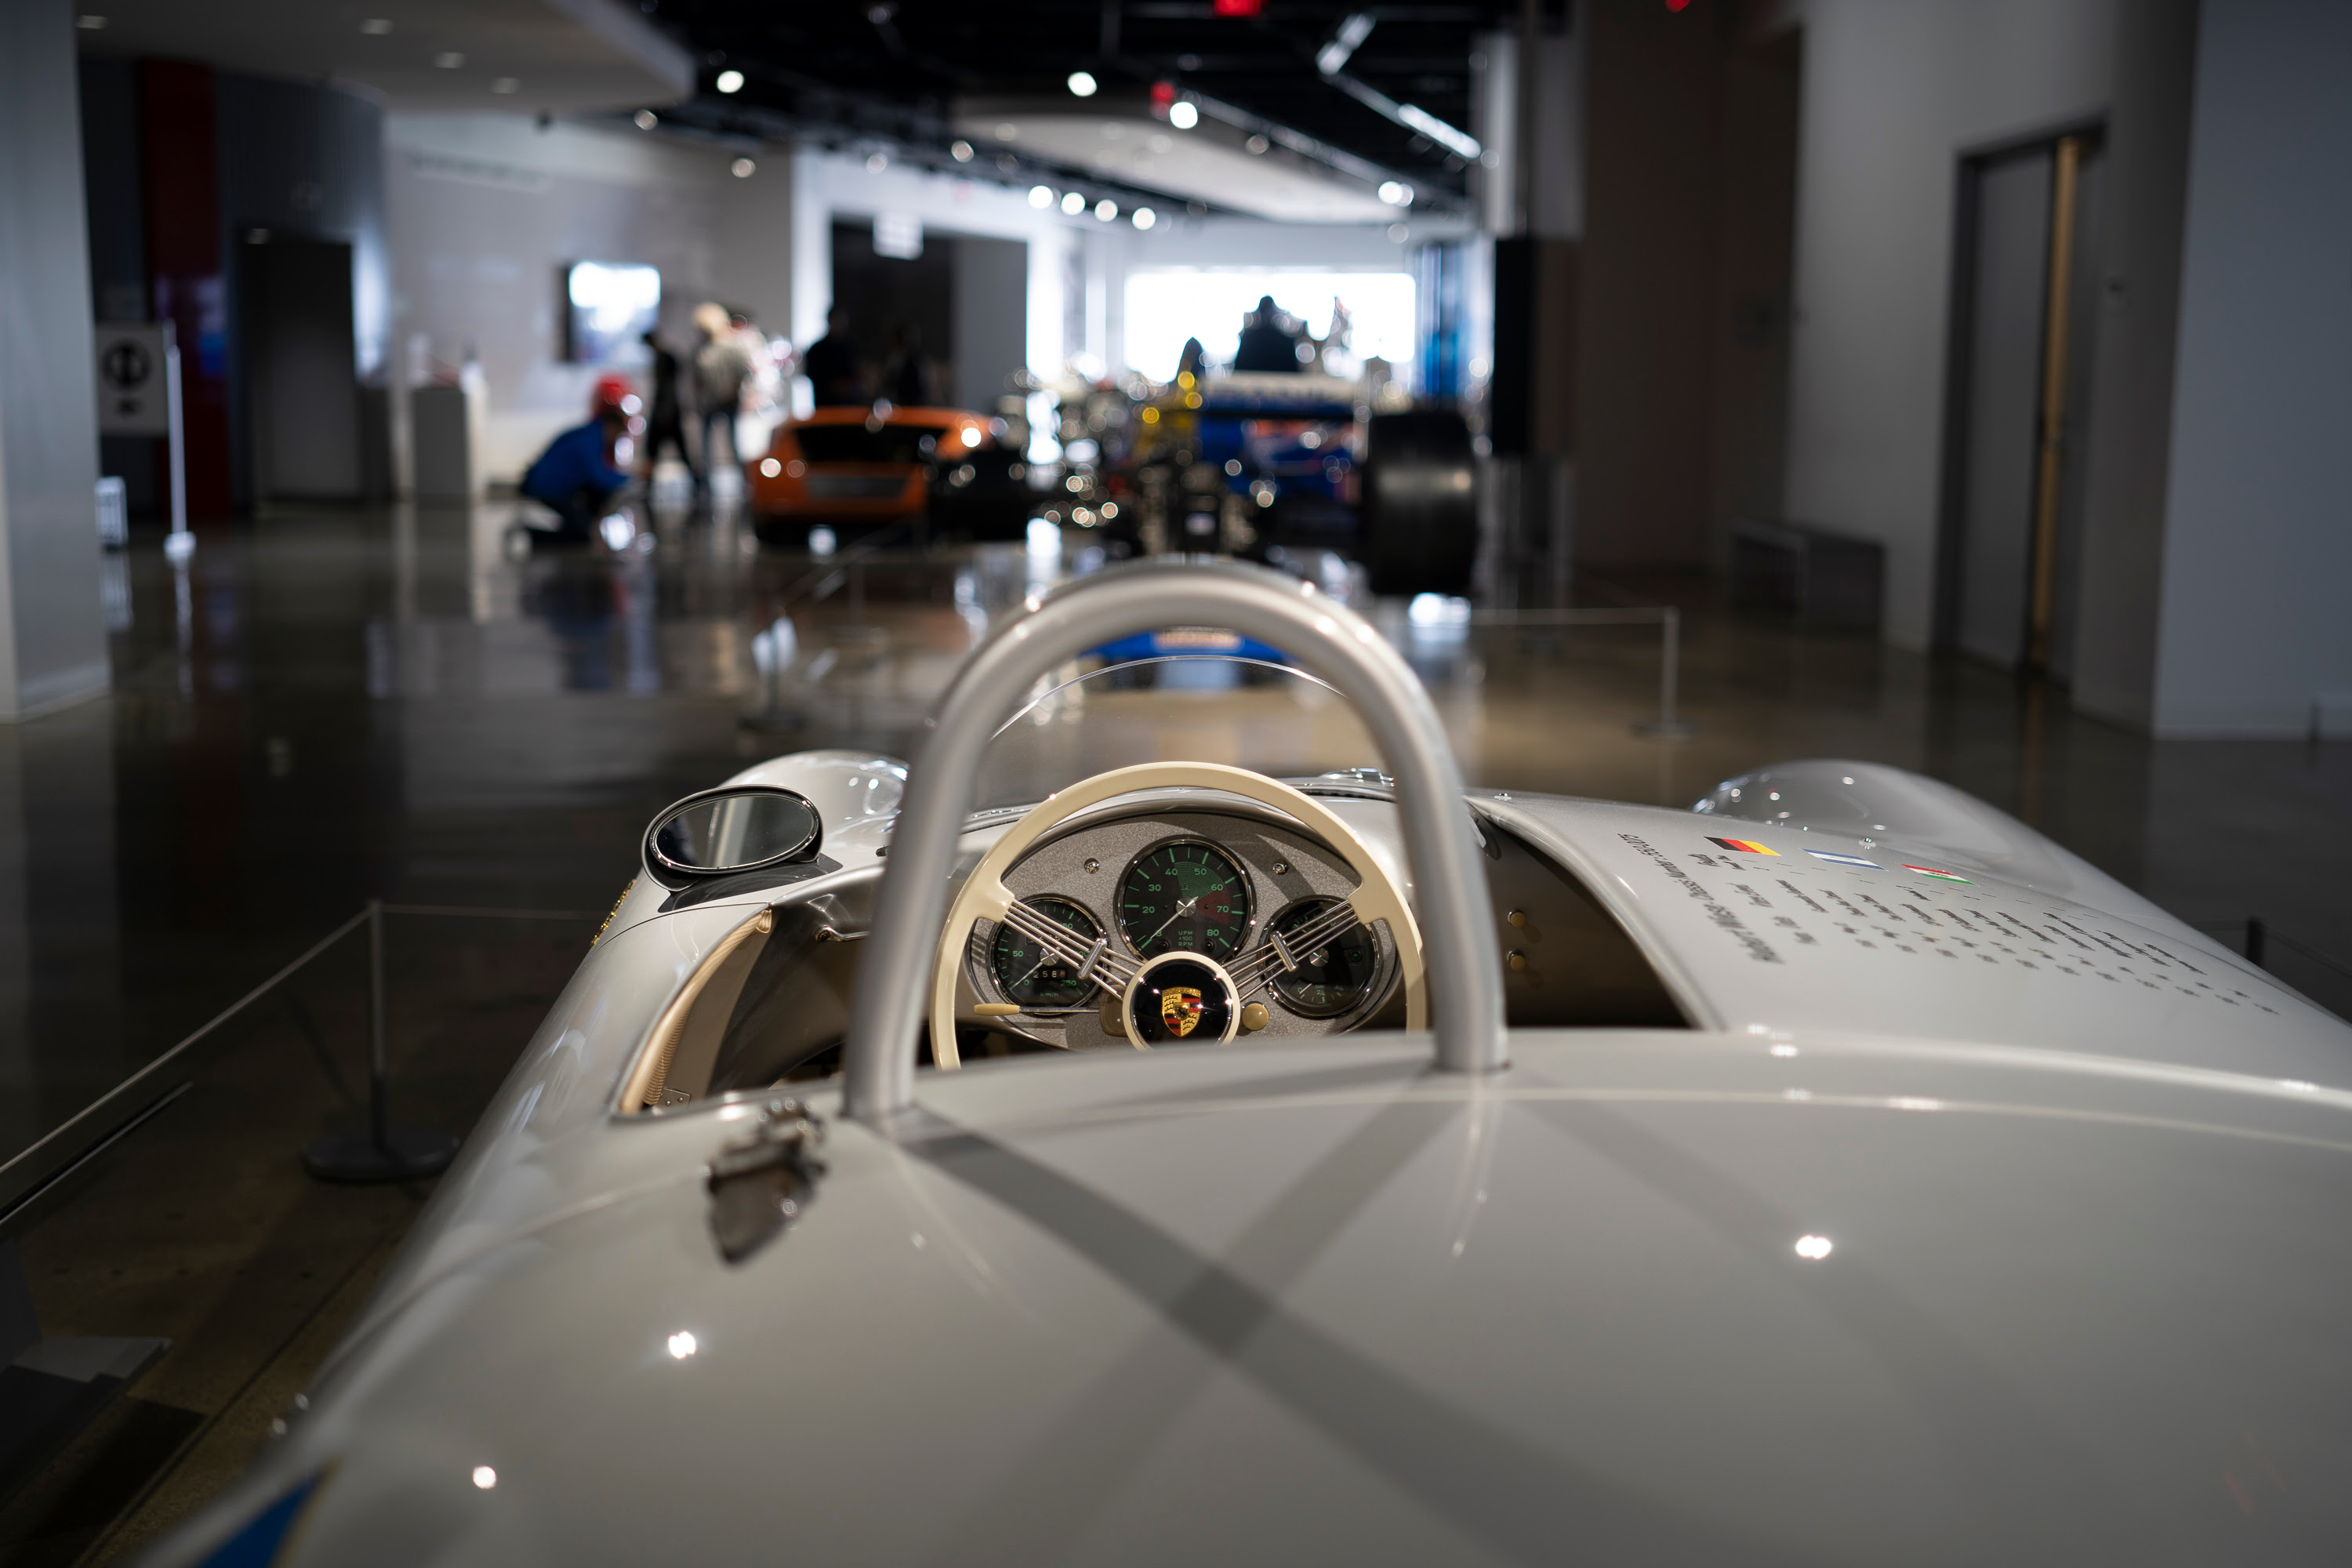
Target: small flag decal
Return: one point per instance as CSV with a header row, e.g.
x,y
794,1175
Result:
x,y
1745,846
1939,875
1844,860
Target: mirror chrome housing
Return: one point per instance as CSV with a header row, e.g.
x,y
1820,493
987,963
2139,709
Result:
x,y
722,832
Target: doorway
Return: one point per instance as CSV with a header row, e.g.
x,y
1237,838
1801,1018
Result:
x,y
2024,312
302,370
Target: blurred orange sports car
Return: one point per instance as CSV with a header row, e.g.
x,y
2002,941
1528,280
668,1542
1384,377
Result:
x,y
884,465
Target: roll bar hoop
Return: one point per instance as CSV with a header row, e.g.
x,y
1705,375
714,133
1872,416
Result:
x,y
1327,639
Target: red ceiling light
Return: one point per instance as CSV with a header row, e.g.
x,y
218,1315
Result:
x,y
1163,93
1250,8
1678,5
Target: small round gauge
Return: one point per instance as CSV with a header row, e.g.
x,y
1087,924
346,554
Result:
x,y
1334,970
1030,975
1184,897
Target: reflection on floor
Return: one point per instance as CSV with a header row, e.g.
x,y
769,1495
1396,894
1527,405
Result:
x,y
325,707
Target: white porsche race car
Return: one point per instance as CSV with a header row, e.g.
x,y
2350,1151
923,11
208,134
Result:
x,y
1172,1164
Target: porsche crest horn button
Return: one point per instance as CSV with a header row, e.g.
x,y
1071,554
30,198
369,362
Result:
x,y
1179,999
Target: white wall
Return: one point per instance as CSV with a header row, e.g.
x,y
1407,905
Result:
x,y
485,210
1893,94
52,640
2257,544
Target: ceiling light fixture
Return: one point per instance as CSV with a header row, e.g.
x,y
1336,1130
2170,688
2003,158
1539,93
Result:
x,y
876,162
1410,116
376,26
1105,209
730,81
90,24
1396,193
960,150
1082,84
1073,202
743,168
1256,145
1041,195
506,84
1144,217
647,119
1184,115
449,59
1333,57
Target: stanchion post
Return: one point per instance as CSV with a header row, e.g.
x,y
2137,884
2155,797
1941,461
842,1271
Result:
x,y
383,1152
1669,725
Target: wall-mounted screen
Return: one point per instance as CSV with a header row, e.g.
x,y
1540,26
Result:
x,y
613,304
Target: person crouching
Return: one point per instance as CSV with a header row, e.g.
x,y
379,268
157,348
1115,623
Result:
x,y
573,479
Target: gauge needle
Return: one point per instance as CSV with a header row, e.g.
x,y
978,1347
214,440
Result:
x,y
1183,907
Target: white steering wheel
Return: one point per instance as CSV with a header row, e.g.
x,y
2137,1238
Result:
x,y
1185,985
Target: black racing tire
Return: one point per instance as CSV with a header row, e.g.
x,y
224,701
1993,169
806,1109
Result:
x,y
1419,511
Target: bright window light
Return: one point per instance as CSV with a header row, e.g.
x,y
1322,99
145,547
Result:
x,y
1184,115
1073,202
1082,84
1041,195
730,81
1166,305
1144,217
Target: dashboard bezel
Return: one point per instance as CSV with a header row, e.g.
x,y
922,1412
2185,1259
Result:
x,y
1253,838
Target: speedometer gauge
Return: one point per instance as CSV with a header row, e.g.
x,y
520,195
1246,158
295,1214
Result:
x,y
1185,898
1032,975
1332,968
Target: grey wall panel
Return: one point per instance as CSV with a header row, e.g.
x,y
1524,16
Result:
x,y
990,285
2004,395
2130,431
52,641
2258,540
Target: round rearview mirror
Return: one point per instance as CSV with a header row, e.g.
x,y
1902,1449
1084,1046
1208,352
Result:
x,y
726,831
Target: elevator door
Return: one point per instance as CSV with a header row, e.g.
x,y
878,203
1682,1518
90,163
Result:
x,y
304,403
2030,313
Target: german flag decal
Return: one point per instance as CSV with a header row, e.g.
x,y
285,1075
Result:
x,y
1745,846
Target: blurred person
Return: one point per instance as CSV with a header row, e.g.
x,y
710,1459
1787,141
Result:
x,y
1193,360
832,364
903,379
720,368
666,420
575,479
1266,345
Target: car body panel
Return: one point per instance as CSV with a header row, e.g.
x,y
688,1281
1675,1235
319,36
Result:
x,y
800,487
1893,1256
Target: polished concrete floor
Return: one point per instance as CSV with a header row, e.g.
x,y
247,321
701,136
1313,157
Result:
x,y
323,707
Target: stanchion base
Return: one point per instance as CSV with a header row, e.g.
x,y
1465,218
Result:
x,y
408,1154
1677,731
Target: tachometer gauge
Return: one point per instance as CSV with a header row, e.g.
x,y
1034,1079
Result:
x,y
1333,967
1185,898
1032,977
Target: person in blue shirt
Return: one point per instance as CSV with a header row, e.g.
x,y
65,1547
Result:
x,y
571,478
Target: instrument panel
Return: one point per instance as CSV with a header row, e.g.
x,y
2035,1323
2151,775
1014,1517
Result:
x,y
1262,901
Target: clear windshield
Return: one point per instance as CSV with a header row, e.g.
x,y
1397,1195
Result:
x,y
1185,708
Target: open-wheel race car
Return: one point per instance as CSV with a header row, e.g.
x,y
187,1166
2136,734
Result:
x,y
1228,464
1123,1137
864,468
